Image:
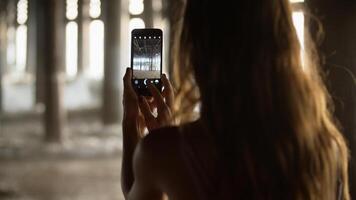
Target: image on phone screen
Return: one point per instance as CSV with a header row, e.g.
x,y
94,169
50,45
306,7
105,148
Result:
x,y
146,59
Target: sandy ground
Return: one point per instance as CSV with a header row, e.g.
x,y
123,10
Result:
x,y
60,179
86,166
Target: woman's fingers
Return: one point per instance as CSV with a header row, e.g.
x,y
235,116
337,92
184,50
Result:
x,y
147,113
145,107
168,91
151,102
158,98
130,100
141,108
127,78
128,89
141,124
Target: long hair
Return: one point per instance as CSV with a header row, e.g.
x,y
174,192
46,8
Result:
x,y
270,119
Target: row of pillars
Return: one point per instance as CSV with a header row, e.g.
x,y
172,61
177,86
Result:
x,y
46,55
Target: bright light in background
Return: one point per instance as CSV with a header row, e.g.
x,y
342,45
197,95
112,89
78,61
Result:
x,y
71,48
96,42
21,48
22,13
18,51
94,9
71,38
72,9
298,20
96,49
136,7
136,23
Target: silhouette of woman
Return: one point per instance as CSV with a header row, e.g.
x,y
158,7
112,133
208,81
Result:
x,y
265,129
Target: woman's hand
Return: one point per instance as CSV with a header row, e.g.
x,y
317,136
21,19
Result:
x,y
133,121
162,102
138,111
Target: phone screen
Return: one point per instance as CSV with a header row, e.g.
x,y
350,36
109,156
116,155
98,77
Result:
x,y
146,59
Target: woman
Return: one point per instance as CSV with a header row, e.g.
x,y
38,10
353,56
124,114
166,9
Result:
x,y
265,130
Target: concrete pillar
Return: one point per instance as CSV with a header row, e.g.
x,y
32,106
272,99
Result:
x,y
3,46
148,13
83,35
338,19
111,111
31,61
54,59
41,54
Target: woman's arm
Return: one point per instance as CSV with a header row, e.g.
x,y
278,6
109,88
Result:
x,y
137,116
146,173
129,146
132,130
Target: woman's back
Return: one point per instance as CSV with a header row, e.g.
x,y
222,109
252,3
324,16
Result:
x,y
185,163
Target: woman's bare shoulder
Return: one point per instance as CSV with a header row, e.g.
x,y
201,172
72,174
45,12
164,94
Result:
x,y
159,157
168,139
162,147
158,154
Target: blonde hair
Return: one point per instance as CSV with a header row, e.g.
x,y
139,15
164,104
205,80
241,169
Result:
x,y
248,71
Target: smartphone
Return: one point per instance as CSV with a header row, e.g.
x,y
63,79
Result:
x,y
146,59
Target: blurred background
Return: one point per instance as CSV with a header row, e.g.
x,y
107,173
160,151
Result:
x,y
61,68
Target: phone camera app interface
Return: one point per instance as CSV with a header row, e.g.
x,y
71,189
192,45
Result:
x,y
146,59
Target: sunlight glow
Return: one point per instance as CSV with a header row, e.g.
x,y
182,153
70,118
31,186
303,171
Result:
x,y
298,20
21,48
71,48
95,8
136,7
22,12
136,23
96,49
72,9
